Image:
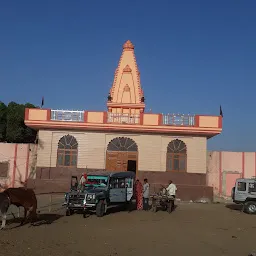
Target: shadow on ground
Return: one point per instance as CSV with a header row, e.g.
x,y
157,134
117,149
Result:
x,y
234,207
43,219
47,219
133,208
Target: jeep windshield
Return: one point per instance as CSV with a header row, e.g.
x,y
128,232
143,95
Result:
x,y
96,181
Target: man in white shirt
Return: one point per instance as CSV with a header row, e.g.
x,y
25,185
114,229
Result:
x,y
145,195
171,190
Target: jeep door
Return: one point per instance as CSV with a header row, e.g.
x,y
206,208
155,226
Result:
x,y
117,191
129,188
252,190
241,191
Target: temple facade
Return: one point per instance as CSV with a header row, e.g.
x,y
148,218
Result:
x,y
123,138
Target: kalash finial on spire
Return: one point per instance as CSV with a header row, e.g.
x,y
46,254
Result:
x,y
128,45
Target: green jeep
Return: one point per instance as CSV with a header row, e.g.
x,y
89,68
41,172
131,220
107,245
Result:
x,y
102,190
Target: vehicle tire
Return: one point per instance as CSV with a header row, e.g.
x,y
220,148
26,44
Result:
x,y
169,207
68,212
233,193
165,207
129,206
250,207
100,208
154,208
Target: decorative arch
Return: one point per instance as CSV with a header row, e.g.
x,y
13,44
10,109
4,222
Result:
x,y
122,144
122,155
176,157
67,151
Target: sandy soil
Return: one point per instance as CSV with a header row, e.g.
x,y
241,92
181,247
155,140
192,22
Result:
x,y
210,229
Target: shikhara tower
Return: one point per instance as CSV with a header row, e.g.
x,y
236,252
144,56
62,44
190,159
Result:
x,y
126,95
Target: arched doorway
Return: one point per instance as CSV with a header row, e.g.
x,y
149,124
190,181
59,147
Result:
x,y
122,155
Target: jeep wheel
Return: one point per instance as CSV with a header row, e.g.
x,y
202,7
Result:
x,y
68,213
100,208
250,207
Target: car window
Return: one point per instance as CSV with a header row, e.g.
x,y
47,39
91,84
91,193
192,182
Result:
x,y
241,186
117,183
252,187
128,183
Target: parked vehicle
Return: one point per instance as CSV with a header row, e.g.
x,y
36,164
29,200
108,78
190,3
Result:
x,y
162,200
102,191
73,187
244,193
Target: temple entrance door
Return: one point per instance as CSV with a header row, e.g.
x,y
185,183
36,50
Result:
x,y
121,161
131,167
132,159
121,164
122,155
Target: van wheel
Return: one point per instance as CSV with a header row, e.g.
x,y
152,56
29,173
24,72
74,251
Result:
x,y
250,207
100,208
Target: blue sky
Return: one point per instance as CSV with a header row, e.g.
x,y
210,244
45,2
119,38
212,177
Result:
x,y
192,55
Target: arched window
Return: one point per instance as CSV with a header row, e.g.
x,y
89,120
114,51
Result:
x,y
176,159
67,151
122,144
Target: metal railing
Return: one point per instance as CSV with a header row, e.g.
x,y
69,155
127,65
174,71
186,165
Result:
x,y
123,118
67,115
178,120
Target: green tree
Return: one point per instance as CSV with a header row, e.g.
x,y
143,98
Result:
x,y
16,130
3,115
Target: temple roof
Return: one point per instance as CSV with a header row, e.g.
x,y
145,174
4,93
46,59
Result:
x,y
126,88
128,45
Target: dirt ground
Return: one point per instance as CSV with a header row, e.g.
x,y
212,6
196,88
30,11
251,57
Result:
x,y
201,229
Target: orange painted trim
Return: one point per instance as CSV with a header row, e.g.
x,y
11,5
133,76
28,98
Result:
x,y
27,162
208,134
49,114
82,125
96,111
137,128
255,164
141,118
26,113
243,164
85,116
220,122
196,121
160,119
105,117
14,164
126,105
220,173
208,115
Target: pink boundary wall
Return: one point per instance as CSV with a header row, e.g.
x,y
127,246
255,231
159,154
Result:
x,y
224,167
21,158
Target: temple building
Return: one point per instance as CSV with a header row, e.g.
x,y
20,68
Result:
x,y
123,138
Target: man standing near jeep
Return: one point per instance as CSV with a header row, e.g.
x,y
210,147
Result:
x,y
145,195
171,190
